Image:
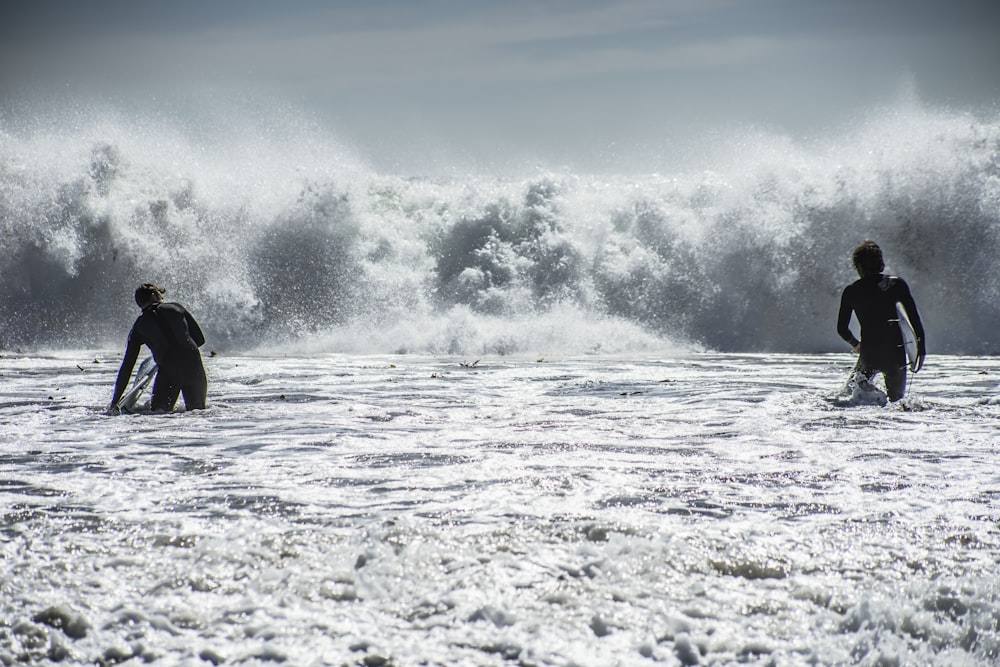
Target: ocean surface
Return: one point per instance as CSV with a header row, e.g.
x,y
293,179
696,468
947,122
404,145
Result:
x,y
272,233
538,417
695,509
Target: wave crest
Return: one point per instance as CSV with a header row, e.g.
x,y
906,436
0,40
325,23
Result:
x,y
749,256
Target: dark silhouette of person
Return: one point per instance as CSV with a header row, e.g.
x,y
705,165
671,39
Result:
x,y
872,298
173,336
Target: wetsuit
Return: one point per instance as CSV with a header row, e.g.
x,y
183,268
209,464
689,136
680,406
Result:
x,y
173,336
873,300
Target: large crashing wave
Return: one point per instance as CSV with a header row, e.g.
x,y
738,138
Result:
x,y
275,239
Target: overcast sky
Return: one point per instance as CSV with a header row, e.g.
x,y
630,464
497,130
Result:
x,y
577,82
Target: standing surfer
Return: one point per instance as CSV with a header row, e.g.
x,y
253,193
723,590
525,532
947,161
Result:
x,y
873,298
173,336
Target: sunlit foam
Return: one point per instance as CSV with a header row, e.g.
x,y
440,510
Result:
x,y
271,232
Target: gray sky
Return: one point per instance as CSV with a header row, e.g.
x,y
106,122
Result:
x,y
585,83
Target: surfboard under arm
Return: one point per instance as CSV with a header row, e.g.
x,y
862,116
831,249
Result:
x,y
909,339
143,376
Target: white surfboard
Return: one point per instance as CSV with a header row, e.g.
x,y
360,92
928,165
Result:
x,y
909,339
143,376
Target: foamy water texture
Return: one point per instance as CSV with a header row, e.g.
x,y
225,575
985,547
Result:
x,y
269,231
407,510
554,419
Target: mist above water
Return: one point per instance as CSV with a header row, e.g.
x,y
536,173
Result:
x,y
273,234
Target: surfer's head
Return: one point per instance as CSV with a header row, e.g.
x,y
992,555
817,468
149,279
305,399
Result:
x,y
867,259
147,294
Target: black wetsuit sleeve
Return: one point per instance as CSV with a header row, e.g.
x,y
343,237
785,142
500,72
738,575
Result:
x,y
194,330
128,363
844,320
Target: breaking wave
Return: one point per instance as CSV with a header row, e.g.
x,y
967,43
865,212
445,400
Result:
x,y
273,234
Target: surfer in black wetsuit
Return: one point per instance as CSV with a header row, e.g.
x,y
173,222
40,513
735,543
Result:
x,y
872,298
173,336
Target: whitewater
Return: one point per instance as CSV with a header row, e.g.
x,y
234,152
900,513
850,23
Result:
x,y
560,418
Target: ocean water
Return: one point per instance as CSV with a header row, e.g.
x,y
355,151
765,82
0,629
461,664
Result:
x,y
550,418
272,234
415,510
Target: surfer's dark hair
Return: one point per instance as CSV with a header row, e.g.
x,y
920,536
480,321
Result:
x,y
867,258
148,293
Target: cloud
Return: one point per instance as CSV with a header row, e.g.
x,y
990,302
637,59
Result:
x,y
333,47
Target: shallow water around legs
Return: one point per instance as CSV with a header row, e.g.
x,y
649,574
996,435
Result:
x,y
708,509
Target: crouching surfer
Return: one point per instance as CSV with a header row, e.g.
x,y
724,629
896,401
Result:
x,y
873,298
173,336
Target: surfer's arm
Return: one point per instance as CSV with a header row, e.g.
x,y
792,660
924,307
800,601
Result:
x,y
844,322
194,330
125,372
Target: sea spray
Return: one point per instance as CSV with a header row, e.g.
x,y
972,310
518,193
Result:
x,y
276,235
